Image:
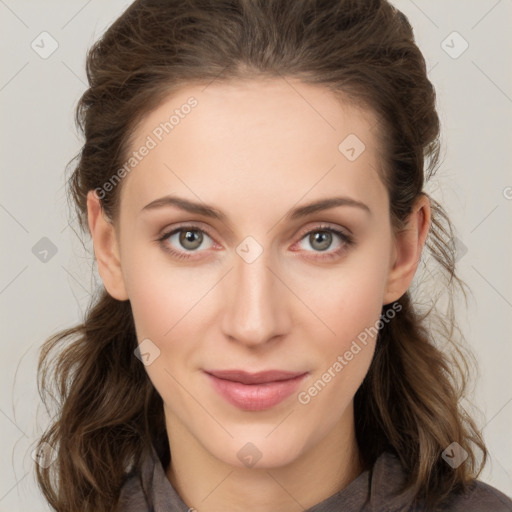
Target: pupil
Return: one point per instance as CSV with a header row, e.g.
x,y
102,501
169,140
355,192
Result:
x,y
188,237
326,239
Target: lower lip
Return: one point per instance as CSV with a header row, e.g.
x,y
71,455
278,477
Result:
x,y
255,397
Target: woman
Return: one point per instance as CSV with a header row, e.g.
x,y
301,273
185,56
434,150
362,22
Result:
x,y
252,179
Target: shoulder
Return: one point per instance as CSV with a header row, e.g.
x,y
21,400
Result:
x,y
147,489
388,477
479,497
131,496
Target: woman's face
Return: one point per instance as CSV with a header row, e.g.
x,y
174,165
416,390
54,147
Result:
x,y
256,282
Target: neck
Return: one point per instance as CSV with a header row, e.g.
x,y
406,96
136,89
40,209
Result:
x,y
208,484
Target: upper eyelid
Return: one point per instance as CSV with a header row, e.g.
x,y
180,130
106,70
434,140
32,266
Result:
x,y
323,226
196,225
166,232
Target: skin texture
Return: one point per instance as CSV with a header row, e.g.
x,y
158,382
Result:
x,y
255,150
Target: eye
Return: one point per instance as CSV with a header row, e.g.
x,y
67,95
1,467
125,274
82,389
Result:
x,y
186,239
322,237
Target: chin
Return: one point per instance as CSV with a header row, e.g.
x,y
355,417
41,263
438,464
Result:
x,y
258,450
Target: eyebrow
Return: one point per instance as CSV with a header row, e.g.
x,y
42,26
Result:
x,y
296,213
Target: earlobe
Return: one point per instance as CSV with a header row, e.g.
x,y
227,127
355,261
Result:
x,y
409,244
105,248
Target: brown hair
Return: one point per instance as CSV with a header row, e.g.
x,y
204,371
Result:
x,y
108,413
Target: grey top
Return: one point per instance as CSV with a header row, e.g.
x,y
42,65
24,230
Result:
x,y
151,491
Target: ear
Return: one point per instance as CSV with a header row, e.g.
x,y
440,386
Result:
x,y
408,245
105,248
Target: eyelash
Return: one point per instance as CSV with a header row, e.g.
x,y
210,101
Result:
x,y
347,241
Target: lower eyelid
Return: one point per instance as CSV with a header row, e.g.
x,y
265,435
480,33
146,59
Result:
x,y
345,239
177,231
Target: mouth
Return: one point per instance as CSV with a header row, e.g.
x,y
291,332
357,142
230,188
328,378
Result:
x,y
254,391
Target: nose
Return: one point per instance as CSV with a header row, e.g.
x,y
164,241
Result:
x,y
255,309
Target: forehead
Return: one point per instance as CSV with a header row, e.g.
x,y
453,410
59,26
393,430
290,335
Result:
x,y
275,139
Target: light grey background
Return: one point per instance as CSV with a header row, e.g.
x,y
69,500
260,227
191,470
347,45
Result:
x,y
37,139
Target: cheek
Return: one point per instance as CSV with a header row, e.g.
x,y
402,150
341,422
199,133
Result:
x,y
347,300
167,310
346,350
349,304
153,305
162,295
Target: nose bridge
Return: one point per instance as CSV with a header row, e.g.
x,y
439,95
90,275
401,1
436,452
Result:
x,y
254,309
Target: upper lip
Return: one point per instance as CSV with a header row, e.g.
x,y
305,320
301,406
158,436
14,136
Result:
x,y
254,378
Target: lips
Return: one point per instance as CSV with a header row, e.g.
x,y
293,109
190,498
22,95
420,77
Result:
x,y
254,391
254,378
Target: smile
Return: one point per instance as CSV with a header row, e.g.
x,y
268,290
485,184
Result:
x,y
255,392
